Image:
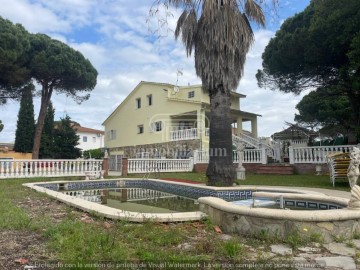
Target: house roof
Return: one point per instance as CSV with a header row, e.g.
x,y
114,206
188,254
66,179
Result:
x,y
130,94
294,132
88,130
244,113
157,83
9,146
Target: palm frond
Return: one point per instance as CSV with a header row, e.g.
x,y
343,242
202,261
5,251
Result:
x,y
255,12
180,23
188,28
221,37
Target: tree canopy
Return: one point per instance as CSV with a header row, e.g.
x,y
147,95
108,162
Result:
x,y
14,55
1,126
325,108
57,67
25,128
317,49
53,64
66,140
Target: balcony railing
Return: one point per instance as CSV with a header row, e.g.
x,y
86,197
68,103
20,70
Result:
x,y
187,134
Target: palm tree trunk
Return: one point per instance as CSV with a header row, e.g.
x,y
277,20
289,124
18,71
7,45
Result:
x,y
45,99
220,171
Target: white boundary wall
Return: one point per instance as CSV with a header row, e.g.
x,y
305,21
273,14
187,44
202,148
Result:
x,y
48,167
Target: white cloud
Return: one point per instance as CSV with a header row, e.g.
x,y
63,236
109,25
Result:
x,y
34,16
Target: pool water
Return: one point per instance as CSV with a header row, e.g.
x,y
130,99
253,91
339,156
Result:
x,y
138,200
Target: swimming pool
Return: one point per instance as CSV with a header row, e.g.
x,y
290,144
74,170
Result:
x,y
216,203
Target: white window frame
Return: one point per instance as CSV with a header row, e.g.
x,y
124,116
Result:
x,y
138,103
149,100
158,126
111,135
140,129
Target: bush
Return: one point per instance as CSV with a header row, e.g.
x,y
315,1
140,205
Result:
x,y
94,153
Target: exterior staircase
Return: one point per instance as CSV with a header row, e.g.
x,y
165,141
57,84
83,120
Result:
x,y
255,143
283,169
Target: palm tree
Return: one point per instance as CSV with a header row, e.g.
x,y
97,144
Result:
x,y
220,35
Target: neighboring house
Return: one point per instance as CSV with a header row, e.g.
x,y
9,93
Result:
x,y
166,121
89,138
295,136
7,152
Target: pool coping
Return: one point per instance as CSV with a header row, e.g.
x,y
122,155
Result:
x,y
113,213
295,215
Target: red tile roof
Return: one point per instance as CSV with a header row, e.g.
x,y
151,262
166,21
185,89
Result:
x,y
88,130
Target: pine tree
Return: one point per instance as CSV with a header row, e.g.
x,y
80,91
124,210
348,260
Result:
x,y
25,130
1,126
66,140
47,137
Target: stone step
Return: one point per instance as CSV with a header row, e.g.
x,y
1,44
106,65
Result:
x,y
275,169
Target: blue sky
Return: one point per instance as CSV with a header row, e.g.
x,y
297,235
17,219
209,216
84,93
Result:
x,y
115,36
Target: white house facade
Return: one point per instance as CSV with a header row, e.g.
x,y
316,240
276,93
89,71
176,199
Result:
x,y
90,138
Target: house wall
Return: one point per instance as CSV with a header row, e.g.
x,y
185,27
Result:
x,y
93,141
125,120
164,150
165,103
201,96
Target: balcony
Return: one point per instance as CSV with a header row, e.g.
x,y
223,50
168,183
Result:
x,y
187,134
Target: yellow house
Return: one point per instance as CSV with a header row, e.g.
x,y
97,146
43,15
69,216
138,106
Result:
x,y
164,120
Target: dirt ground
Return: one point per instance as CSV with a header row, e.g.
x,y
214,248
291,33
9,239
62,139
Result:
x,y
20,247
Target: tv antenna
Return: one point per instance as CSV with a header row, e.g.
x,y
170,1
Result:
x,y
178,74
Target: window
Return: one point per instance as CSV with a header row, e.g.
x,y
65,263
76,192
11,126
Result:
x,y
191,94
84,138
94,139
184,125
149,99
111,135
158,126
138,103
143,155
140,129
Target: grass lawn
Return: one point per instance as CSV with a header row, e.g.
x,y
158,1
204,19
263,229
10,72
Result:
x,y
315,181
36,228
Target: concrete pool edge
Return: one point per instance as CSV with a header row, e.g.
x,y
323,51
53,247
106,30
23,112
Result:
x,y
113,213
281,223
296,215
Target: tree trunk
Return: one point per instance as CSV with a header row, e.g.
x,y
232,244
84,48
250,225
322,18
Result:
x,y
45,99
220,171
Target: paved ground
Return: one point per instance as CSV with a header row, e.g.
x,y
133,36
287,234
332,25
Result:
x,y
330,256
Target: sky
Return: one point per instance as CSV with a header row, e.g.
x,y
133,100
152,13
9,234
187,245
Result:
x,y
121,41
